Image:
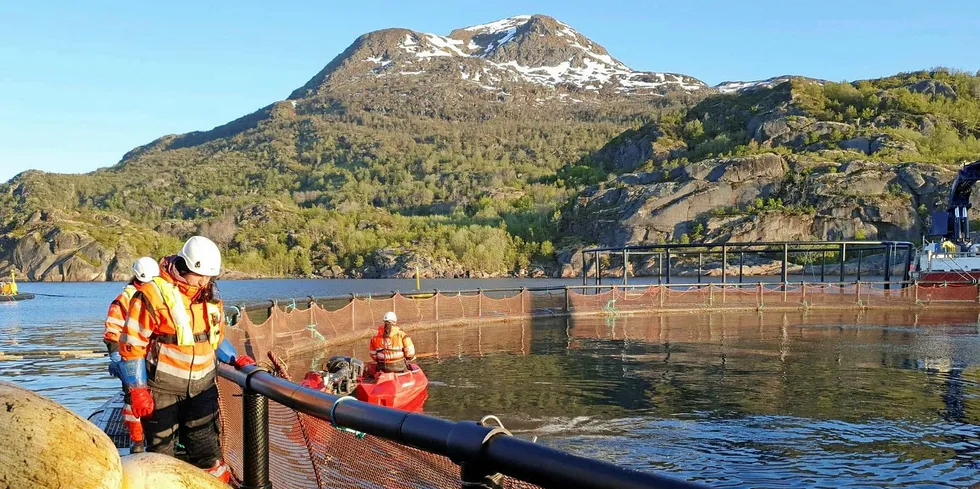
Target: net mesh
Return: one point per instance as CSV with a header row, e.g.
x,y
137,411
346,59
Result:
x,y
308,452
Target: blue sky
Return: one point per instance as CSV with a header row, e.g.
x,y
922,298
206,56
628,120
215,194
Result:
x,y
82,84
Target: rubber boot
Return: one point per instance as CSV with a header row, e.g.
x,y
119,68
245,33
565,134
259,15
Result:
x,y
137,447
221,471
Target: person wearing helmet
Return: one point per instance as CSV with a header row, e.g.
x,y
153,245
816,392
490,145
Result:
x,y
170,345
144,270
391,347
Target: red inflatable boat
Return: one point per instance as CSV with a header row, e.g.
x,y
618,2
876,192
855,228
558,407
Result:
x,y
345,375
406,390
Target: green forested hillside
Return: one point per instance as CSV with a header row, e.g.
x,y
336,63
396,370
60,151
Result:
x,y
301,189
804,159
372,176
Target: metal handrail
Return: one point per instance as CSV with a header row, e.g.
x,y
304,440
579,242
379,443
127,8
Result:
x,y
757,244
478,449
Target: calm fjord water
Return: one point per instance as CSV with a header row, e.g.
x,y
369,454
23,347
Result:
x,y
824,399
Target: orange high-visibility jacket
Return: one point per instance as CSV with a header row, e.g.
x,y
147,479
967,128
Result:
x,y
391,350
118,310
152,331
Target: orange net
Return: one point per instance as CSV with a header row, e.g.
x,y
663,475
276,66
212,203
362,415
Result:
x,y
309,452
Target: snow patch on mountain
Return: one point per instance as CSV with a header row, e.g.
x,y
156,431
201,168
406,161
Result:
x,y
500,25
523,49
748,86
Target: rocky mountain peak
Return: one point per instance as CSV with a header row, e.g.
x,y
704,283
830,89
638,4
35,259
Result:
x,y
530,49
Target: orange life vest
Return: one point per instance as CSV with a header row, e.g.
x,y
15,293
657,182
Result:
x,y
176,335
390,352
118,310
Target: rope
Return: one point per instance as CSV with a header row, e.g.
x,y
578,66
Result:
x,y
237,314
280,369
314,333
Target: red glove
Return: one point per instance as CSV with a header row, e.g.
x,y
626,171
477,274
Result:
x,y
243,361
142,402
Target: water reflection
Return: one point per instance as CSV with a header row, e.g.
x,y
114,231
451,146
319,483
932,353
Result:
x,y
826,399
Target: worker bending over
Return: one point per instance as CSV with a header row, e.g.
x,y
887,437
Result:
x,y
170,347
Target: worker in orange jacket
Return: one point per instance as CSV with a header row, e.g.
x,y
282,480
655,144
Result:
x,y
170,346
144,270
391,347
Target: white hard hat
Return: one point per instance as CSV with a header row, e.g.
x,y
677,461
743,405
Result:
x,y
146,268
201,256
390,316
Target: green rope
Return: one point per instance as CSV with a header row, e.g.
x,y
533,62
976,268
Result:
x,y
314,333
610,307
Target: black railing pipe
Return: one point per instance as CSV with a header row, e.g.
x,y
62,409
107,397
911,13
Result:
x,y
548,467
463,442
255,439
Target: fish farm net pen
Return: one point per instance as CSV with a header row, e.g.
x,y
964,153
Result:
x,y
483,456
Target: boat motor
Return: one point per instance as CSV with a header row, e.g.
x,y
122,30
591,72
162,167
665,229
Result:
x,y
341,374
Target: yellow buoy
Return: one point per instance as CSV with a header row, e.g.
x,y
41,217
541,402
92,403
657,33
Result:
x,y
156,471
45,445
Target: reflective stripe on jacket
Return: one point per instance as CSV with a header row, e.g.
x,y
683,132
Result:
x,y
392,350
118,310
158,329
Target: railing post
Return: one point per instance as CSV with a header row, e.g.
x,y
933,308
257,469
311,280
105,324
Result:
x,y
711,294
762,301
888,267
823,265
907,274
255,440
598,272
860,258
785,273
566,300
585,270
700,265
437,304
479,302
668,265
523,298
843,254
857,291
741,265
660,267
626,267
662,292
724,264
353,299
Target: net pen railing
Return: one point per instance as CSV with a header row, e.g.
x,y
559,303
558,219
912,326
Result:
x,y
304,445
295,326
483,453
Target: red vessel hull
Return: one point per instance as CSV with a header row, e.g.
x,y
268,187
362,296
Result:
x,y
403,390
952,278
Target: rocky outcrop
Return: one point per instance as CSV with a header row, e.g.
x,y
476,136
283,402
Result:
x,y
635,147
935,88
763,198
58,255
